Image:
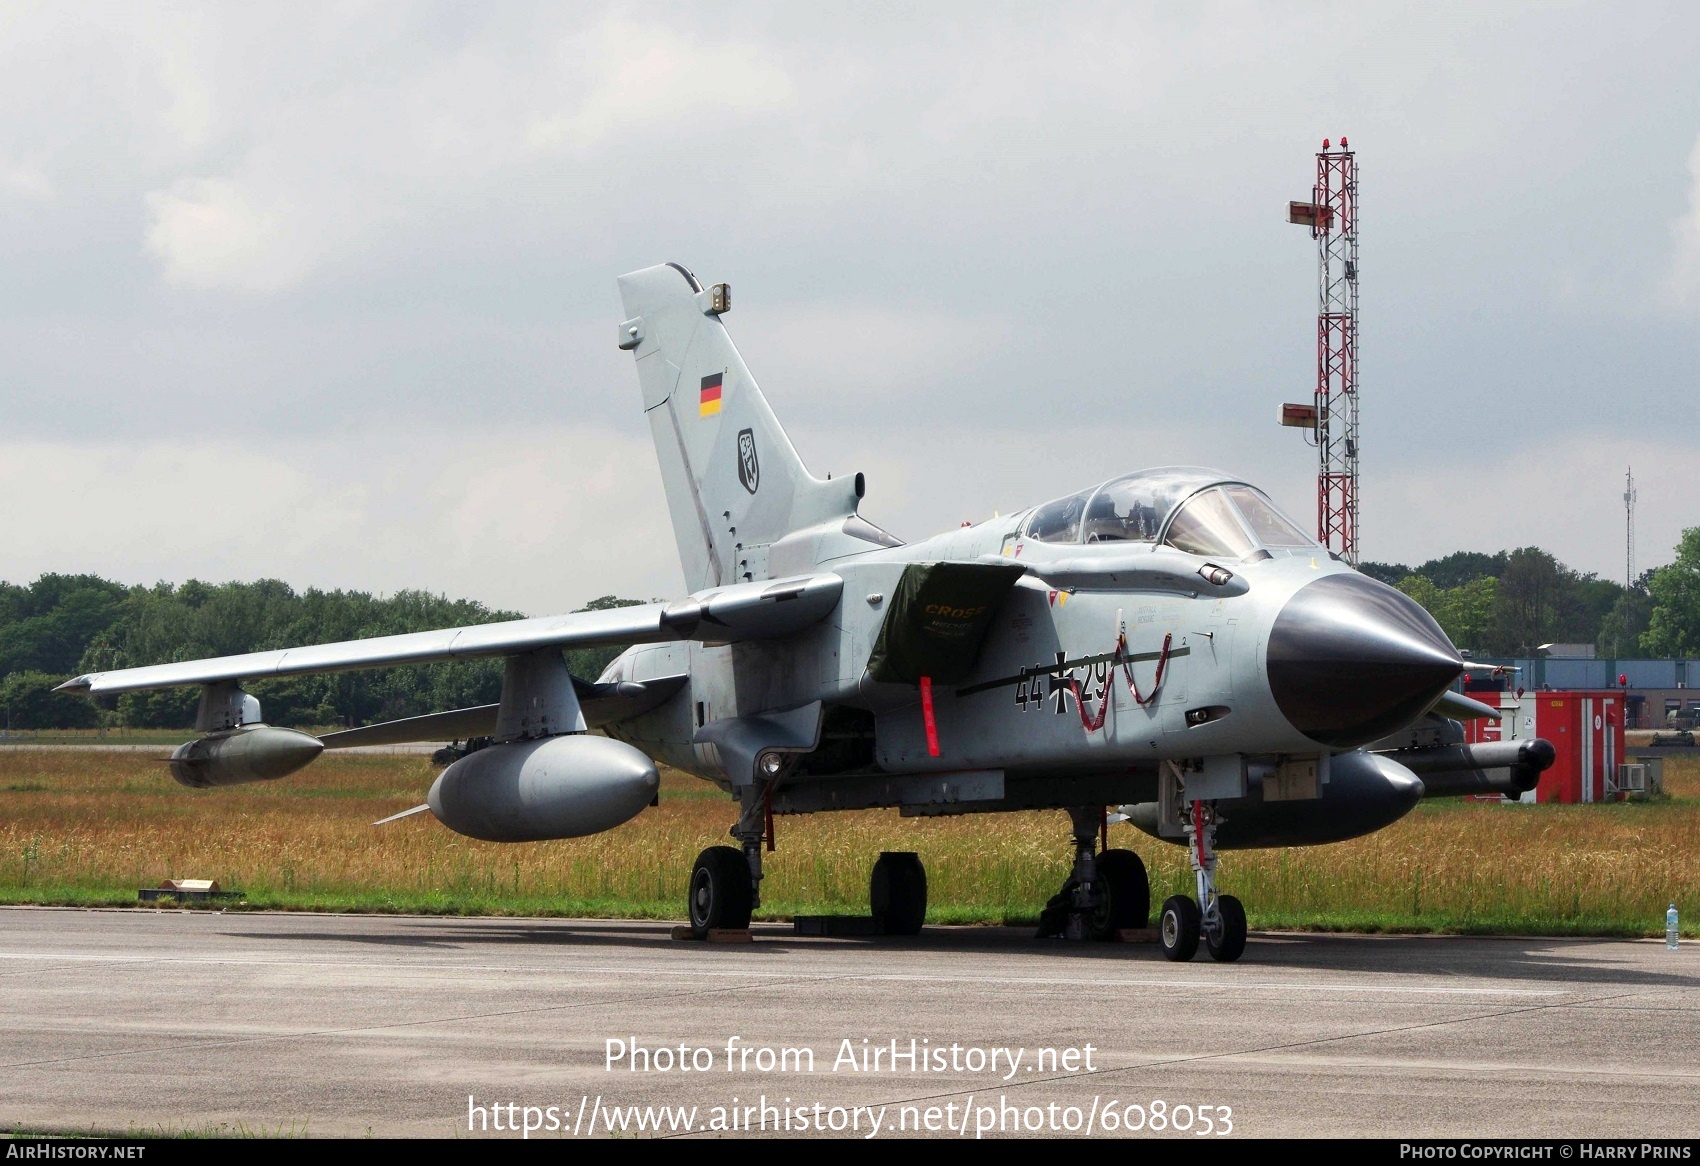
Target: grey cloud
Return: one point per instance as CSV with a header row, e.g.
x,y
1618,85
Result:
x,y
1056,237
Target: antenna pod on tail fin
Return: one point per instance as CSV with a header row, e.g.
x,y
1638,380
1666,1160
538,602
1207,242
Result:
x,y
734,482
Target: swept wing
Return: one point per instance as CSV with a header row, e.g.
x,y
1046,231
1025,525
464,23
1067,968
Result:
x,y
752,611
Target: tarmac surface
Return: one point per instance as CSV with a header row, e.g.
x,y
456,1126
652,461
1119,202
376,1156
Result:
x,y
169,1020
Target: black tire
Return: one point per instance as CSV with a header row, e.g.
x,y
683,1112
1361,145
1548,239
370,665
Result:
x,y
1177,928
1227,943
720,895
1125,899
897,893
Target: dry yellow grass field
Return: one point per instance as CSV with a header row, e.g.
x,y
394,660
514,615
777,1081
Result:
x,y
85,826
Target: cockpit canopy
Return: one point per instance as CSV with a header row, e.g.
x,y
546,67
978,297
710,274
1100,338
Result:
x,y
1200,511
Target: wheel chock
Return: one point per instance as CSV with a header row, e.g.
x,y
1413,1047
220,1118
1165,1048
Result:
x,y
1137,935
715,934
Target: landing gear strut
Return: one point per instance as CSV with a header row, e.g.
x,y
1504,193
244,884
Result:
x,y
1106,892
726,880
1218,919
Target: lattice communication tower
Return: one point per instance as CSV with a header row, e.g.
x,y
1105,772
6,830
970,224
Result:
x,y
1332,216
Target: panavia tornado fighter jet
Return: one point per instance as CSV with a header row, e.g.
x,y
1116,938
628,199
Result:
x,y
1164,648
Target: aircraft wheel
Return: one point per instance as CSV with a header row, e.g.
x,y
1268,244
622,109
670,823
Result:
x,y
720,895
897,893
1178,928
1124,894
1227,942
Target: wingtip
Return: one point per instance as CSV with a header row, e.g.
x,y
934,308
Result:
x,y
78,684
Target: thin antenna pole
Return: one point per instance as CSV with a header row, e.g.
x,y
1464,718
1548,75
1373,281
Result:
x,y
1629,528
1628,551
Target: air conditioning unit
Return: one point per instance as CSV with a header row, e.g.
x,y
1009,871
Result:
x,y
1632,778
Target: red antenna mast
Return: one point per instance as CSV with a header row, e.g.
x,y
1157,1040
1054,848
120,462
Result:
x,y
1332,216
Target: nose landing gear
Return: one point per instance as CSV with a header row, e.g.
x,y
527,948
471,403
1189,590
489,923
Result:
x,y
1218,919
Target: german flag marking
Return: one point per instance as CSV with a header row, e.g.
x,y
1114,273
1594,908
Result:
x,y
710,401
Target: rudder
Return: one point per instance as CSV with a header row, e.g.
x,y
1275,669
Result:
x,y
734,482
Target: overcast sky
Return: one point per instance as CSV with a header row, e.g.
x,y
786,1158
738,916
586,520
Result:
x,y
326,293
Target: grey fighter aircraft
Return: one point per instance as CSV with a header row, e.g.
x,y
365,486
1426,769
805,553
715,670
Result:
x,y
1167,644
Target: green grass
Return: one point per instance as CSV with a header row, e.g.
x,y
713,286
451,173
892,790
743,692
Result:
x,y
1442,920
89,828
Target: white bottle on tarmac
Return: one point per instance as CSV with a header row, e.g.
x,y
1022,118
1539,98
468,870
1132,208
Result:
x,y
1670,927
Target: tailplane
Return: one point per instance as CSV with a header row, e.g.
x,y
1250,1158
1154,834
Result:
x,y
735,485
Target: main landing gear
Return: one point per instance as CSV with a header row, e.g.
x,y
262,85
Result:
x,y
1106,892
726,880
897,893
722,894
1218,919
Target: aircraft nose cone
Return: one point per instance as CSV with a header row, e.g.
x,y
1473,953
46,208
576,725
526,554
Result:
x,y
1352,660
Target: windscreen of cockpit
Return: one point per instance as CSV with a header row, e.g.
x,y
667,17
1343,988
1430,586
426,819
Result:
x,y
1206,525
1231,521
1268,525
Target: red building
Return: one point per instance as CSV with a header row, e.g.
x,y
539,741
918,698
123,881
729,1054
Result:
x,y
1585,726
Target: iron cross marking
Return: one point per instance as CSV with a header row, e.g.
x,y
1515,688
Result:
x,y
1059,684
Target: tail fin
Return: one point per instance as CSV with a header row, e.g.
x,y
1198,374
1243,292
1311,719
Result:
x,y
734,483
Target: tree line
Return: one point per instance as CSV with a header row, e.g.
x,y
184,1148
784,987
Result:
x,y
1510,603
64,625
1504,604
